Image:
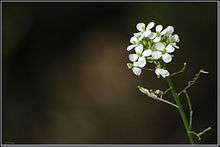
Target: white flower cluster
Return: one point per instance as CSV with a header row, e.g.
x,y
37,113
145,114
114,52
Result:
x,y
153,45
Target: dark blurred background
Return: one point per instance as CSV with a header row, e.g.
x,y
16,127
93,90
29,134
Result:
x,y
65,78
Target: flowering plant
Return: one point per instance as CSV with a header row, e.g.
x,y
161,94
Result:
x,y
155,45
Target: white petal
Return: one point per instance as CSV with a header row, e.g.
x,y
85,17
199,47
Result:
x,y
156,55
152,35
164,31
139,49
157,71
176,46
150,25
147,33
140,27
159,46
138,34
130,47
157,39
164,73
136,71
176,38
141,37
147,53
141,62
133,40
133,57
170,30
166,58
159,28
170,48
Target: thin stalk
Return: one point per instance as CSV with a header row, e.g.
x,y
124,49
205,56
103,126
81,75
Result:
x,y
201,133
190,110
167,102
204,131
180,109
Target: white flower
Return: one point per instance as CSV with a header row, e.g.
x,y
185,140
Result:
x,y
163,72
138,58
152,45
162,51
159,32
173,39
145,30
135,43
140,63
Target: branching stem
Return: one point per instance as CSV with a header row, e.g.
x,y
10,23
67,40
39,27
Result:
x,y
201,133
165,92
180,109
190,83
180,71
155,97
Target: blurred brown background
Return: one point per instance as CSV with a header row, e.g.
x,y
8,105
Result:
x,y
65,78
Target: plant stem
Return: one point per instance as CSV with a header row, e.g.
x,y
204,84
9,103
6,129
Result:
x,y
190,109
204,131
167,102
180,109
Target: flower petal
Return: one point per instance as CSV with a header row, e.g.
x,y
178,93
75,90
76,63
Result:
x,y
141,62
140,27
134,40
152,35
136,71
163,32
133,57
141,37
157,39
147,53
156,55
157,71
170,49
139,49
138,34
130,47
159,46
170,30
147,33
176,46
135,64
150,25
164,73
159,28
176,38
166,58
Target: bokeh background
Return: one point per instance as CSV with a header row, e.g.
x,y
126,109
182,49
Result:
x,y
65,78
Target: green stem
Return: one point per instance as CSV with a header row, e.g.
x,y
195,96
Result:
x,y
190,109
167,102
204,131
180,109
